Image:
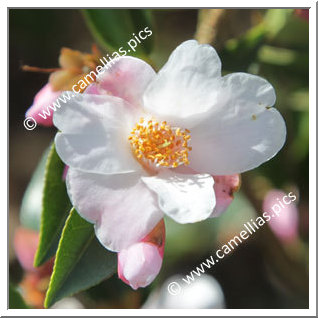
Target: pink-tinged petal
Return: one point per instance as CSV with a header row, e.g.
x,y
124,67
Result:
x,y
123,209
45,97
139,264
127,78
94,89
224,188
65,173
284,214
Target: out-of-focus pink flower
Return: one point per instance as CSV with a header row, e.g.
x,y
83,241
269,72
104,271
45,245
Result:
x,y
284,220
25,244
45,97
139,264
36,280
302,13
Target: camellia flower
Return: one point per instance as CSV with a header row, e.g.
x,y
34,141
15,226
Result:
x,y
141,145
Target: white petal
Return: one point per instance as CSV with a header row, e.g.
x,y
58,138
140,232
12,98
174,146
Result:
x,y
123,209
127,78
186,87
242,131
94,134
185,198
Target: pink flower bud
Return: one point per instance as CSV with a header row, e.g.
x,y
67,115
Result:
x,y
45,97
224,188
139,264
284,220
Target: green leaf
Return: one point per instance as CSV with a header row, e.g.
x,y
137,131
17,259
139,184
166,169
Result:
x,y
15,299
55,208
114,28
276,55
31,207
81,261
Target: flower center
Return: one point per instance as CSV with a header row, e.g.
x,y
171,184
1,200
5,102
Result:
x,y
160,144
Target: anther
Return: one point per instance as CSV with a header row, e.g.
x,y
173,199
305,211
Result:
x,y
159,143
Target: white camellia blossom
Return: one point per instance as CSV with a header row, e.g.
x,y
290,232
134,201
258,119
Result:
x,y
141,145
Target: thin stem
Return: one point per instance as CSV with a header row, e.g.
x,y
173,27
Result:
x,y
28,68
208,22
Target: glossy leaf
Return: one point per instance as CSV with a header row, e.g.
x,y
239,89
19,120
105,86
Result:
x,y
114,28
55,208
81,261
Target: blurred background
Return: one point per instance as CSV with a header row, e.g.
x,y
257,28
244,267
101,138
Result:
x,y
270,269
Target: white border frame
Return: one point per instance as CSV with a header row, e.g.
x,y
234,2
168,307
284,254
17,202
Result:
x,y
312,162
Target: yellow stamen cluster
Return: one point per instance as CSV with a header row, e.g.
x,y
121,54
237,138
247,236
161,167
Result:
x,y
160,144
